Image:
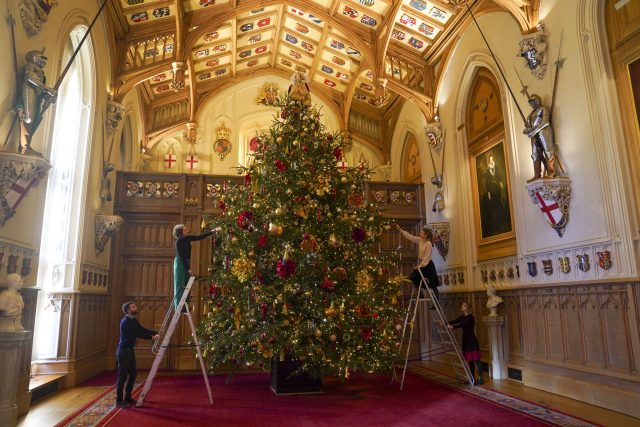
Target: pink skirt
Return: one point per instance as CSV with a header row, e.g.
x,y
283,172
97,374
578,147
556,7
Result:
x,y
471,356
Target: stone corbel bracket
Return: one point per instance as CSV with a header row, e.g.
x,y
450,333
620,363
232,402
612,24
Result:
x,y
106,226
441,233
552,196
18,175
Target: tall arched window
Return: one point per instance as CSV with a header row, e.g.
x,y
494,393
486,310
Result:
x,y
60,248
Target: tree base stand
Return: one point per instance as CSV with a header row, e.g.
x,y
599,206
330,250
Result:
x,y
282,382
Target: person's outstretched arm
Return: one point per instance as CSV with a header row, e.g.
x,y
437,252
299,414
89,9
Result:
x,y
199,237
408,236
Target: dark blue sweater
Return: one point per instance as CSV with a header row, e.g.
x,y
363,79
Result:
x,y
130,329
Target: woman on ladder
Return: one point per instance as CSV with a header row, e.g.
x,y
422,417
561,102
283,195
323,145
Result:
x,y
470,345
182,261
425,263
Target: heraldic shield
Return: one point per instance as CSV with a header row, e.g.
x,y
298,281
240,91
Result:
x,y
552,196
533,268
564,264
604,259
583,262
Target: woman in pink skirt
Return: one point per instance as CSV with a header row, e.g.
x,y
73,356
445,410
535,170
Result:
x,y
470,345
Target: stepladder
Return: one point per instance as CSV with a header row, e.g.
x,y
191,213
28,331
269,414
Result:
x,y
424,296
167,329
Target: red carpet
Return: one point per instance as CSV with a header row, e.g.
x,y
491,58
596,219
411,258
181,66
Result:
x,y
365,401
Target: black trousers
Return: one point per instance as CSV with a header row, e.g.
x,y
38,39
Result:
x,y
126,359
430,273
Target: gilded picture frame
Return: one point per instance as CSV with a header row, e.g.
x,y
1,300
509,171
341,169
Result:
x,y
492,199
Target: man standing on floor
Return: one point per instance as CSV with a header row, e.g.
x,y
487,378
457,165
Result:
x,y
130,329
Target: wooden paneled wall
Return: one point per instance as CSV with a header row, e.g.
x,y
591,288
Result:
x,y
588,334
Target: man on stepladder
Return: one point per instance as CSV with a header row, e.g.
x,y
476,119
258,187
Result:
x,y
130,329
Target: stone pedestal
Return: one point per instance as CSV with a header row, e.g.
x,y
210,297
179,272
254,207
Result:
x,y
498,344
12,347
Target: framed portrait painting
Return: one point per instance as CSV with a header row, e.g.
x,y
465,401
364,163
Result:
x,y
492,199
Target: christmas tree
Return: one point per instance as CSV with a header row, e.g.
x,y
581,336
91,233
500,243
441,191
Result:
x,y
294,267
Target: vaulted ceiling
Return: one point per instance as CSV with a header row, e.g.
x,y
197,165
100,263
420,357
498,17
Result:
x,y
364,57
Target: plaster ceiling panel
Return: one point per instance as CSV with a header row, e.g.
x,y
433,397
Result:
x,y
296,55
333,83
426,27
161,88
407,38
255,38
379,7
334,72
253,63
362,15
344,63
366,87
306,16
343,47
215,49
161,77
222,33
250,51
289,64
149,15
256,12
138,4
297,41
210,63
324,3
433,10
214,74
303,29
195,5
257,24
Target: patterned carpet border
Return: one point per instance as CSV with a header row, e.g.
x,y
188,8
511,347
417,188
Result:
x,y
101,409
531,409
96,412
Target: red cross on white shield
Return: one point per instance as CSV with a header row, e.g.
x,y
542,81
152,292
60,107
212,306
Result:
x,y
169,160
192,161
549,208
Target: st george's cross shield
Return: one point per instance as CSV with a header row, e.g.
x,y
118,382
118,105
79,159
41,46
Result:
x,y
552,196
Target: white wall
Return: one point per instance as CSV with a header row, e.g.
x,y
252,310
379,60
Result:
x,y
598,214
23,230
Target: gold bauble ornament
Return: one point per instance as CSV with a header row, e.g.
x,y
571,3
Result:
x,y
279,211
343,179
256,205
279,140
275,229
318,333
296,142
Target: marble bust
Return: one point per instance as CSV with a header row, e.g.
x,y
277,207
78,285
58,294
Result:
x,y
493,301
11,305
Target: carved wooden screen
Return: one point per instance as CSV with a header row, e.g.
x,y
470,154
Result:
x,y
143,250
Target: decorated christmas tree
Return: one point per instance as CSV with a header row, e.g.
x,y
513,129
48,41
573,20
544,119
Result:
x,y
295,267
